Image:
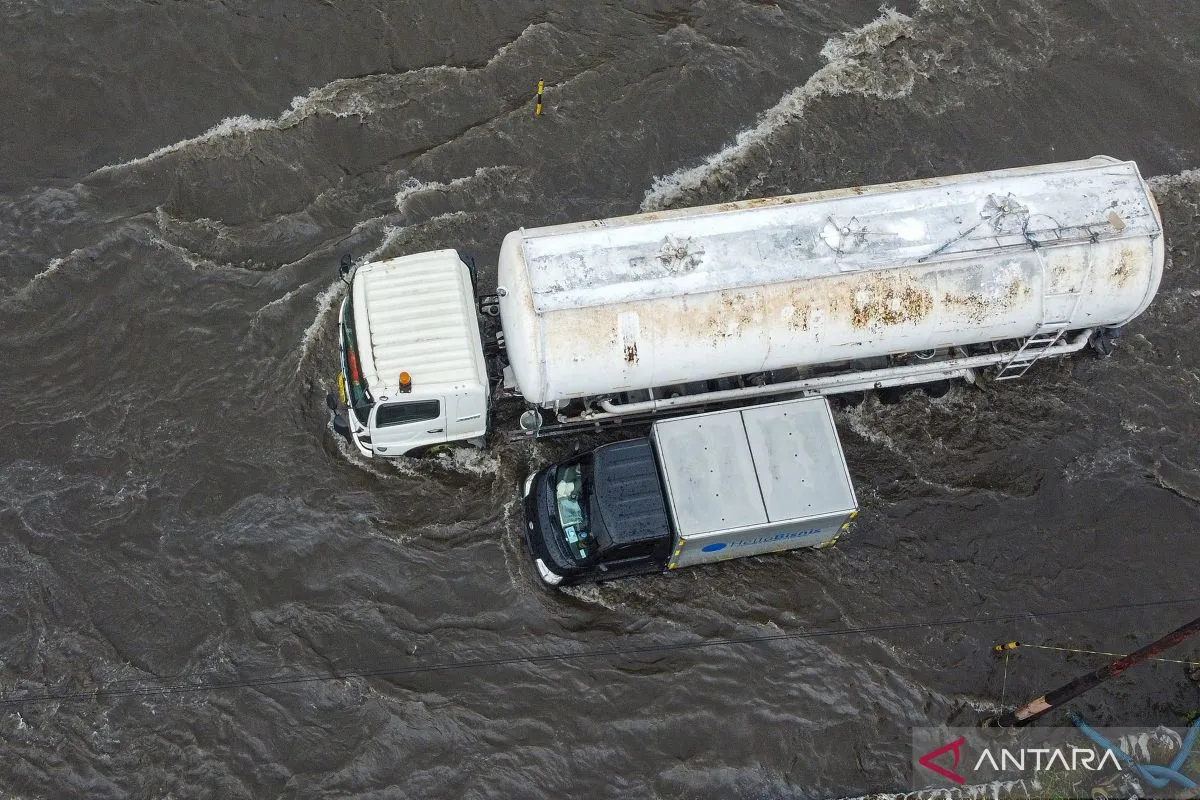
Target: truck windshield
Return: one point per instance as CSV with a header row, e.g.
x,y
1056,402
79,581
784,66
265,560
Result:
x,y
572,505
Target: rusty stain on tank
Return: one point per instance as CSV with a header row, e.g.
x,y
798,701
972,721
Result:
x,y
736,312
890,302
978,307
631,353
862,301
757,202
801,314
1125,267
1068,268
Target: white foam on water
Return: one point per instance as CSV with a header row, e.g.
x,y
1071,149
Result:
x,y
55,264
1189,178
50,269
512,547
849,69
226,128
982,705
257,319
1102,463
399,466
465,460
471,461
189,257
391,234
325,301
868,427
996,790
449,215
412,186
364,224
504,48
277,301
593,594
215,228
342,98
339,98
857,419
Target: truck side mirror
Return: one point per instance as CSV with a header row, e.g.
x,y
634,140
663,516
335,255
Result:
x,y
346,265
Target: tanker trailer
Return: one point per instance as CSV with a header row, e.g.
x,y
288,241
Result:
x,y
918,282
828,292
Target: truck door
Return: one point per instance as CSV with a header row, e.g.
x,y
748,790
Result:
x,y
466,414
638,558
400,426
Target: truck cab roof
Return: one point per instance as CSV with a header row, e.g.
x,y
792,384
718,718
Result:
x,y
416,314
629,494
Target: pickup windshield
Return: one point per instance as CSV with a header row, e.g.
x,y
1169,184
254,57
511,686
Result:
x,y
572,505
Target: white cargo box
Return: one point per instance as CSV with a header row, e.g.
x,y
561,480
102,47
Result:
x,y
753,480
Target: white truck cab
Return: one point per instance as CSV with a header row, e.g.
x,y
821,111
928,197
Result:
x,y
412,369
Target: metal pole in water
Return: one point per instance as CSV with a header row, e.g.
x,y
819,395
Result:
x,y
1036,708
537,109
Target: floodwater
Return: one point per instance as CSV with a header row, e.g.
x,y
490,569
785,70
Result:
x,y
196,576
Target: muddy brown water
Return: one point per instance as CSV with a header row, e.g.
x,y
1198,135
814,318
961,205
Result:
x,y
177,185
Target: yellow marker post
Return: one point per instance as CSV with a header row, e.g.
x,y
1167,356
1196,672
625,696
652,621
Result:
x,y
537,110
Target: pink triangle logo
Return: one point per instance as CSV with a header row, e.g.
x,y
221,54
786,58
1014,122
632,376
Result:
x,y
954,747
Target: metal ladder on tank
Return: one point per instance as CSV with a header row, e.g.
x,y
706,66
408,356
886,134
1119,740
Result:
x,y
1049,332
1046,336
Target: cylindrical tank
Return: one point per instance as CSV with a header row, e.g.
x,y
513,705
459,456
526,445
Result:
x,y
671,297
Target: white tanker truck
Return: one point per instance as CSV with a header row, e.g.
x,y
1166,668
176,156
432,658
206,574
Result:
x,y
919,282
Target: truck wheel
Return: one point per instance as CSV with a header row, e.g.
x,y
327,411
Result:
x,y
430,450
936,388
848,399
890,395
1103,341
